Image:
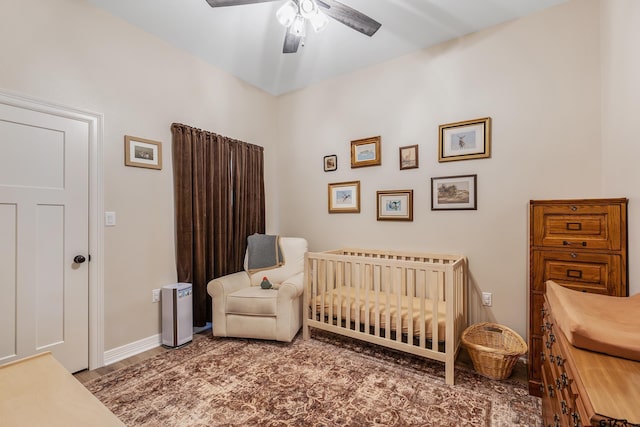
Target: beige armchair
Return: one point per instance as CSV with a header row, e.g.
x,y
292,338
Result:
x,y
241,308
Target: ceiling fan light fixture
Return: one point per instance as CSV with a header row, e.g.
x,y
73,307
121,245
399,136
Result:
x,y
308,8
287,13
319,21
298,27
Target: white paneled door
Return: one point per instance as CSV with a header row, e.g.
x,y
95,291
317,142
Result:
x,y
44,236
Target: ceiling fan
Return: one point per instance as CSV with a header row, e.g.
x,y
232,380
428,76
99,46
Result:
x,y
294,14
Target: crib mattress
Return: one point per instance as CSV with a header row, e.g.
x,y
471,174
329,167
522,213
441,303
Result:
x,y
601,323
347,297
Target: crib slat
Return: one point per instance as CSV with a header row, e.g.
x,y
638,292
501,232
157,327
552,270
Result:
x,y
376,296
435,298
387,308
398,294
423,324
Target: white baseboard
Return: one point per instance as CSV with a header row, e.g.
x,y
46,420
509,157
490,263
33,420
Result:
x,y
117,354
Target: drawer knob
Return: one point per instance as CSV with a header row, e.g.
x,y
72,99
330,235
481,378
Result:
x,y
576,419
574,255
574,208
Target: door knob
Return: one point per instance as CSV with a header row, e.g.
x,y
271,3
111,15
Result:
x,y
79,259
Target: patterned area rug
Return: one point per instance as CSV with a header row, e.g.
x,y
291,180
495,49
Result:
x,y
326,381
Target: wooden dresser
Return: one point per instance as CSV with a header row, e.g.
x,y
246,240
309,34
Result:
x,y
584,388
580,244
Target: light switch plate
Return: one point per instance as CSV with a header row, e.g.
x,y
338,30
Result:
x,y
109,219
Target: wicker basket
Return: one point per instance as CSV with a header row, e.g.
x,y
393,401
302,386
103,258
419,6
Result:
x,y
494,349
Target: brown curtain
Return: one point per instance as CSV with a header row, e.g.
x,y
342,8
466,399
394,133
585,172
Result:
x,y
219,201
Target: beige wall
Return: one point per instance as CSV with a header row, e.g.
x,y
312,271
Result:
x,y
562,93
539,80
71,53
621,102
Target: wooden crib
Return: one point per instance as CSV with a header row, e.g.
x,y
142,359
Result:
x,y
358,292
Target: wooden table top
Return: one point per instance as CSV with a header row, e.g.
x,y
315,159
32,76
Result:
x,y
39,391
612,383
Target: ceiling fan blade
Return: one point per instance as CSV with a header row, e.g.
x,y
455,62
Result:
x,y
291,43
222,3
349,17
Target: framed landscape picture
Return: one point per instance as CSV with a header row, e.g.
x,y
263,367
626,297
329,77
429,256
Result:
x,y
365,152
344,197
466,140
142,153
409,157
396,205
454,193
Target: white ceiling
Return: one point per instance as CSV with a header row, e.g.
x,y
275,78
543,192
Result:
x,y
246,41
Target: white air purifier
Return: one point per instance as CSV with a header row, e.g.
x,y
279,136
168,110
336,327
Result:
x,y
177,314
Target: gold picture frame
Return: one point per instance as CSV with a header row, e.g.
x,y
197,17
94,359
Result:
x,y
142,153
395,205
366,152
344,197
470,139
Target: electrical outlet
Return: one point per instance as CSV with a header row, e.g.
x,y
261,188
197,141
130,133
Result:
x,y
155,295
486,298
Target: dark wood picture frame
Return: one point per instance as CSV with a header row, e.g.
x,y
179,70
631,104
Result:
x,y
449,193
330,163
409,157
394,205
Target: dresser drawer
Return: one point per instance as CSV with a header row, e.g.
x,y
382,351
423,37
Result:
x,y
579,226
588,272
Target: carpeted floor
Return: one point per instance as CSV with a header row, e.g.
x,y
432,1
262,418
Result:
x,y
326,381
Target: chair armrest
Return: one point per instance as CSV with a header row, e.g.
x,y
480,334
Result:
x,y
292,287
227,284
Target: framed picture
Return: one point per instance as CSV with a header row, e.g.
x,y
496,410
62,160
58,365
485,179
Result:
x,y
330,163
142,153
365,152
409,157
344,197
395,205
470,139
454,193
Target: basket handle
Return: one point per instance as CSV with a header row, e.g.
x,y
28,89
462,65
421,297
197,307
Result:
x,y
493,329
